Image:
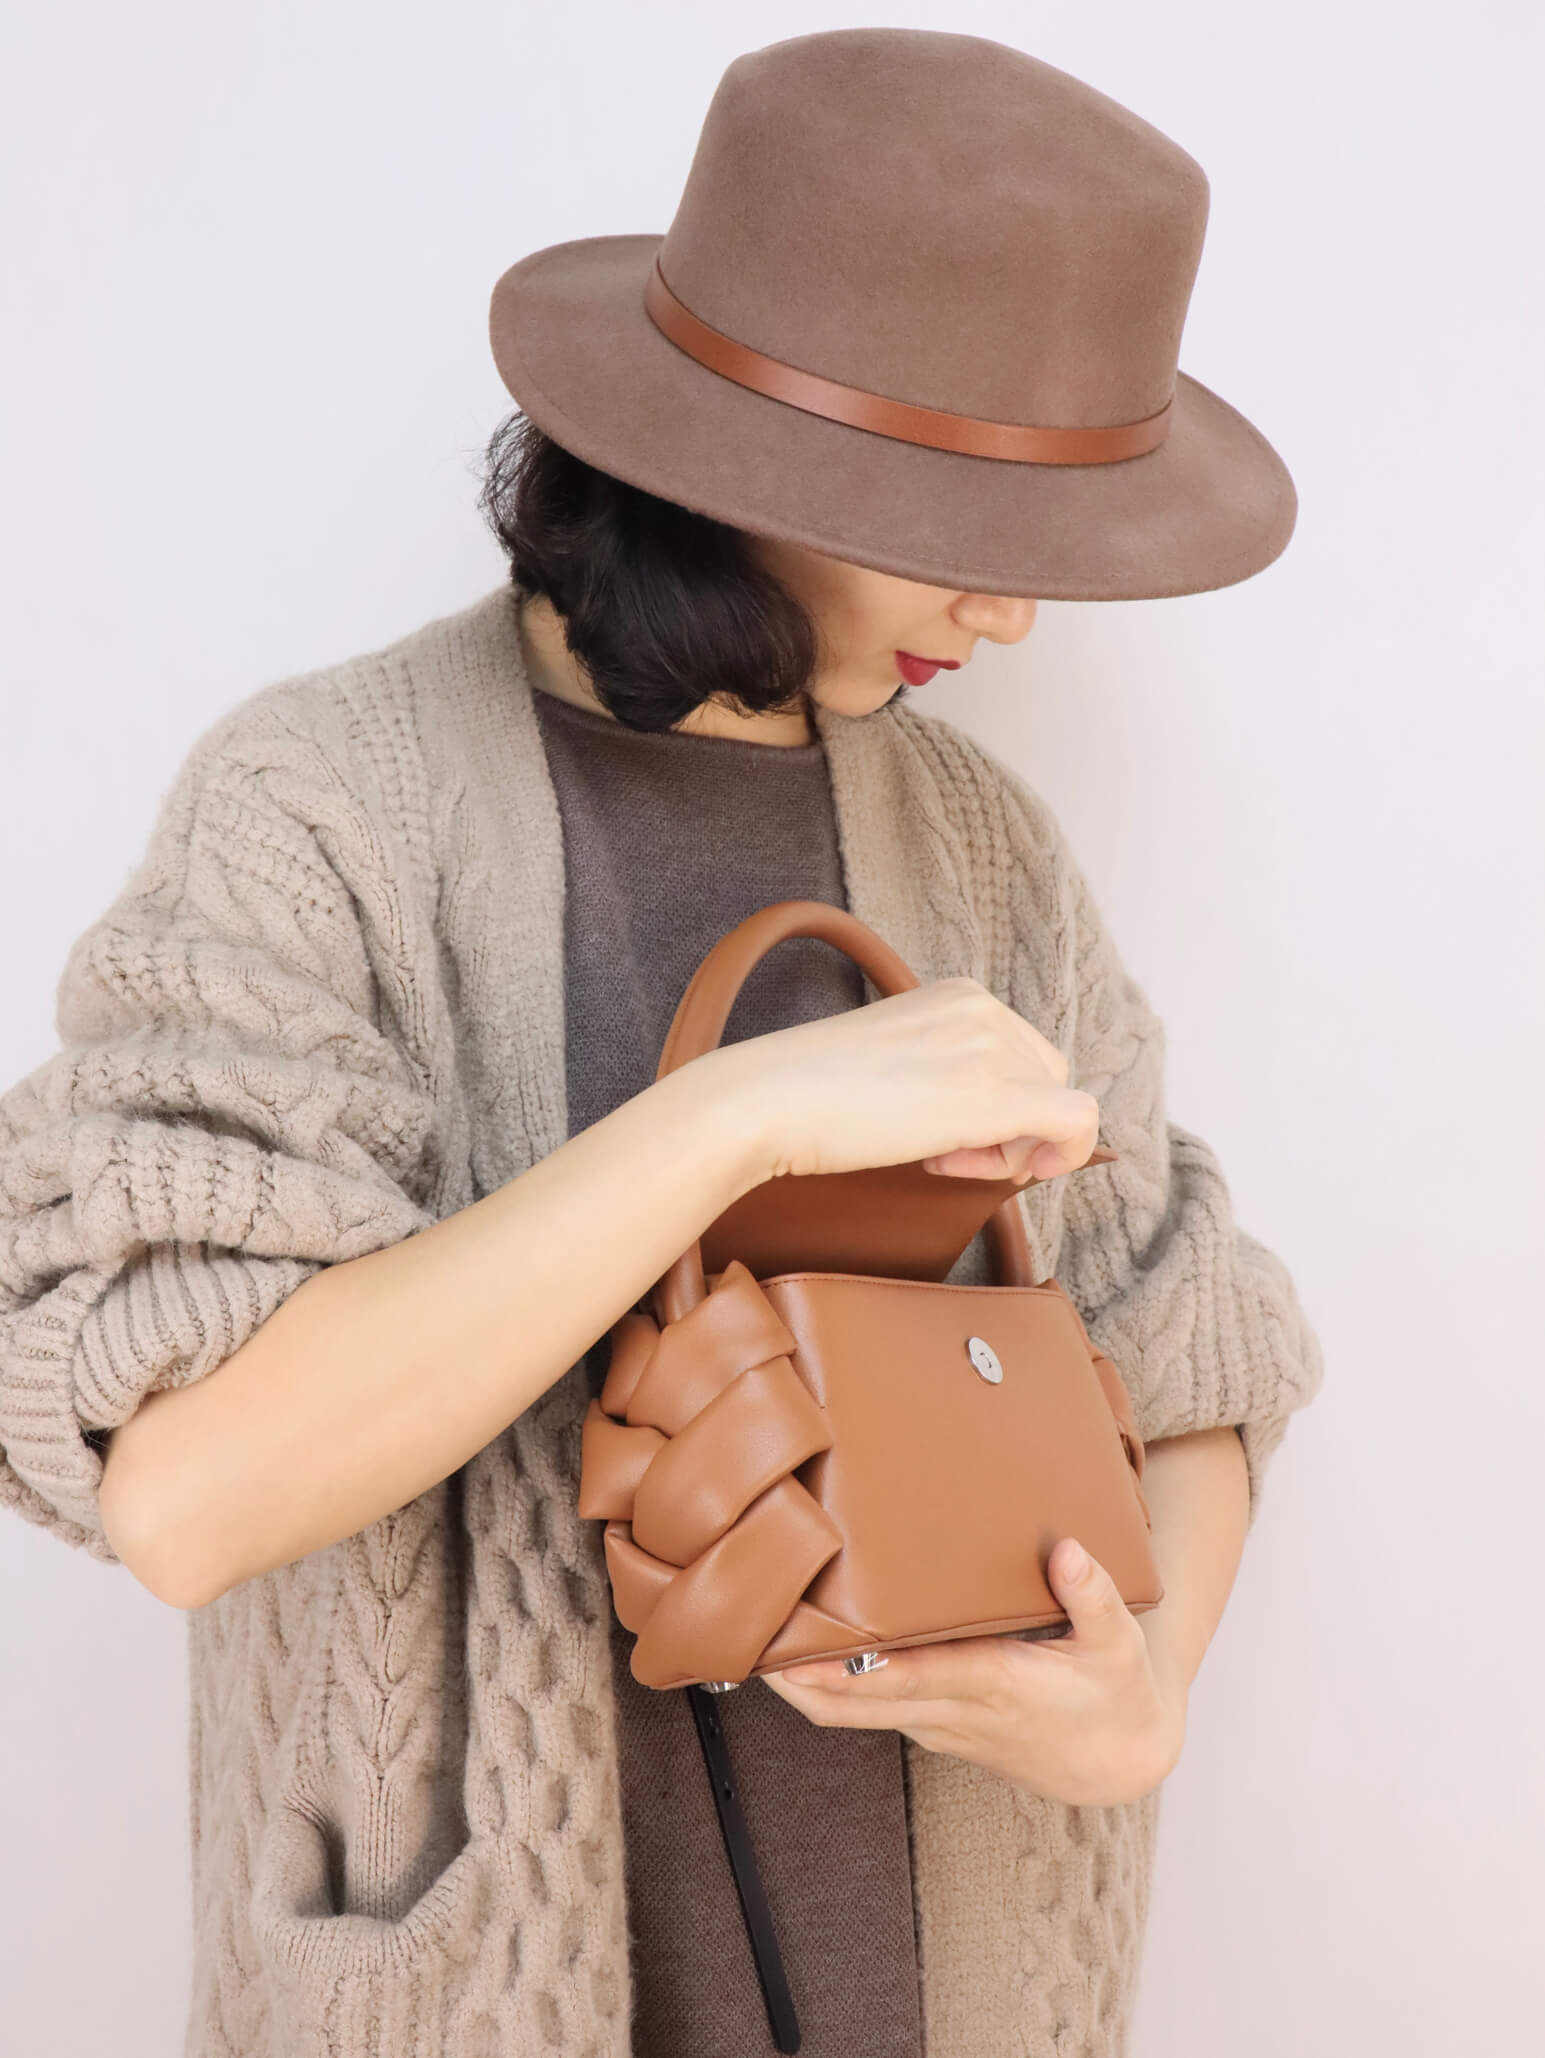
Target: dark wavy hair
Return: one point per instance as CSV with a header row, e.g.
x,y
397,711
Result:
x,y
664,608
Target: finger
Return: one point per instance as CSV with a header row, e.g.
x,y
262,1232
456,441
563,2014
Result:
x,y
936,1725
967,1668
1089,1595
1053,1156
833,1709
1013,1159
1025,1159
974,1161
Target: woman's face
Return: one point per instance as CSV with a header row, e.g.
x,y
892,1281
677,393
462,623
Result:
x,y
866,618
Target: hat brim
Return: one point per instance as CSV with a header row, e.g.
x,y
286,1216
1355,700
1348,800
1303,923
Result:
x,y
1212,505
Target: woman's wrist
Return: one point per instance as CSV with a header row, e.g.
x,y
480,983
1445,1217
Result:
x,y
716,1099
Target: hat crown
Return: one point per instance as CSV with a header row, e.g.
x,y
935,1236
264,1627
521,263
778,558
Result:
x,y
943,220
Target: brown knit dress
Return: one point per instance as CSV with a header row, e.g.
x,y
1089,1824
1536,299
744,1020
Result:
x,y
669,840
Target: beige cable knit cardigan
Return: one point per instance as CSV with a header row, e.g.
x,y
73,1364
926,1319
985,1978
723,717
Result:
x,y
326,1011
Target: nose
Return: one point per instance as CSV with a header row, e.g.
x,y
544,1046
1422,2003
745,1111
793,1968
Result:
x,y
1000,617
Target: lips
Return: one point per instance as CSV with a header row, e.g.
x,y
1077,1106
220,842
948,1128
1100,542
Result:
x,y
917,671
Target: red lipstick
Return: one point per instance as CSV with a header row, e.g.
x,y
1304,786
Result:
x,y
917,671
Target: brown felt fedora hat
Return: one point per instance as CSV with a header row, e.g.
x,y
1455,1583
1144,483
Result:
x,y
920,308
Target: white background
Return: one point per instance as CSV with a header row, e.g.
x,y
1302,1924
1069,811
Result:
x,y
248,251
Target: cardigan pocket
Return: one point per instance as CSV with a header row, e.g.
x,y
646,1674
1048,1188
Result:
x,y
346,1982
363,1873
301,1930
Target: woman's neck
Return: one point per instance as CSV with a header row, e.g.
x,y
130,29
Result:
x,y
553,668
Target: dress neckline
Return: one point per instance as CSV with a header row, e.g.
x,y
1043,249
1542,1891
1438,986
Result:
x,y
587,718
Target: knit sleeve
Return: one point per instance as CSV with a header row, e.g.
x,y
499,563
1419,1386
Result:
x,y
1202,1320
229,1111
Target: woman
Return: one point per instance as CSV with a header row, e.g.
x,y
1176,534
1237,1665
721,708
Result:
x,y
354,1151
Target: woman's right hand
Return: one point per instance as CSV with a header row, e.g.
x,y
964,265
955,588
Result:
x,y
945,1073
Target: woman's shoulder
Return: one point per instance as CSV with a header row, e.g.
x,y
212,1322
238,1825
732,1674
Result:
x,y
305,822
352,750
358,717
302,832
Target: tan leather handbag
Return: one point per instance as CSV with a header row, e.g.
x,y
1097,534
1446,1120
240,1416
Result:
x,y
810,1445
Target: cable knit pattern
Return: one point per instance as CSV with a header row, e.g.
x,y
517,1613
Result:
x,y
325,1012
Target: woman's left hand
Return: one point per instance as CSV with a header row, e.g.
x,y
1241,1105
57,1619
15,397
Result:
x,y
1092,1717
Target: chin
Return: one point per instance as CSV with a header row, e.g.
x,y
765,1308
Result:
x,y
864,700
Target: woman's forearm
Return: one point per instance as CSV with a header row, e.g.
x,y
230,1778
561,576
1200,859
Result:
x,y
1197,1490
380,1376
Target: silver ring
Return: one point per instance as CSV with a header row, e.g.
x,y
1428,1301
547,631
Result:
x,y
863,1661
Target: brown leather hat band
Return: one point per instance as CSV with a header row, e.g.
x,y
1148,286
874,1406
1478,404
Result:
x,y
968,434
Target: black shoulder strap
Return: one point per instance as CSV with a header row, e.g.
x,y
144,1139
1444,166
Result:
x,y
781,2018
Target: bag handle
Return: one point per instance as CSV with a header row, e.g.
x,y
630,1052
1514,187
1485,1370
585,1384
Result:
x,y
698,1025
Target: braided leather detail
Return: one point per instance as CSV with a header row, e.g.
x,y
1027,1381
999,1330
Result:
x,y
688,1455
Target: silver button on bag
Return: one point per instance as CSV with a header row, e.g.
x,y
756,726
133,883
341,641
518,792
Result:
x,y
985,1359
